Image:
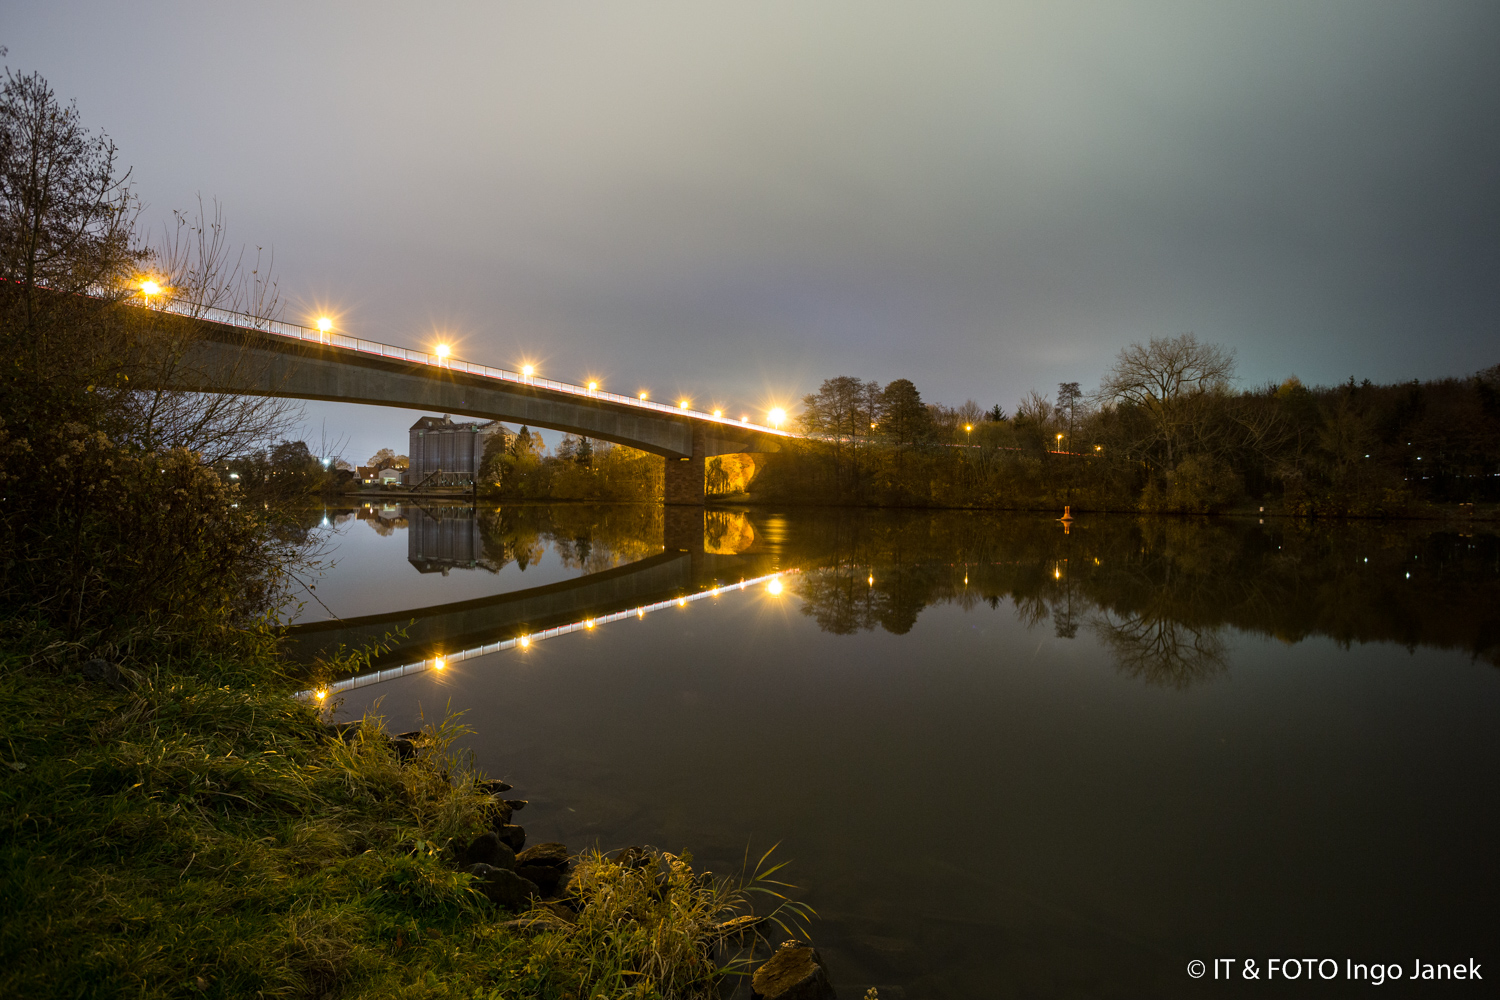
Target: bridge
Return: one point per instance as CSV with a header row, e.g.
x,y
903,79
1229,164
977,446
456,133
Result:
x,y
241,354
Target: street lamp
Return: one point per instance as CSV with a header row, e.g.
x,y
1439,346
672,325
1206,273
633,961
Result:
x,y
643,397
148,289
683,404
593,387
324,324
777,417
718,413
527,371
442,352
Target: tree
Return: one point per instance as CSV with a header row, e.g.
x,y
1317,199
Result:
x,y
385,458
1169,380
904,418
66,219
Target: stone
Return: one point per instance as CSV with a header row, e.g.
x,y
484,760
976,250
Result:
x,y
103,672
405,749
545,876
503,887
553,854
487,849
495,786
513,835
795,972
347,732
414,735
500,815
516,805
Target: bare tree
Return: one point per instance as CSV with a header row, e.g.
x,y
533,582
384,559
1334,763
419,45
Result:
x,y
1168,380
66,219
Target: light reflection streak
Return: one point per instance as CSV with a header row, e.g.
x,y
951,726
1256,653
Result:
x,y
525,641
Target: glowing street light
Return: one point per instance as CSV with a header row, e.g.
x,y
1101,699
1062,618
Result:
x,y
439,663
718,413
442,351
324,324
774,587
527,371
643,397
777,417
593,387
525,641
683,404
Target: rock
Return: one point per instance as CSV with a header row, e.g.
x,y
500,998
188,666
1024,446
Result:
x,y
414,735
405,749
104,672
502,886
513,835
552,854
562,913
795,972
738,925
486,849
346,731
500,815
545,876
495,786
516,805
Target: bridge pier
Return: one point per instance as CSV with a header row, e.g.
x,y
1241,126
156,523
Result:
x,y
684,482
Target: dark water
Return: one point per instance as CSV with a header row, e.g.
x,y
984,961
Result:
x,y
1005,759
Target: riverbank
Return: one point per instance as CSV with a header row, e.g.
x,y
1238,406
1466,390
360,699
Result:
x,y
184,825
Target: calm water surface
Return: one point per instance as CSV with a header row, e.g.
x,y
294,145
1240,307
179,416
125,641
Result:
x,y
1006,759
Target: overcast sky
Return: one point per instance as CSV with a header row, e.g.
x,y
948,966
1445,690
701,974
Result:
x,y
734,202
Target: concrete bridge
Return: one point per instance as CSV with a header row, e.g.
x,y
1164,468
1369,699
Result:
x,y
235,354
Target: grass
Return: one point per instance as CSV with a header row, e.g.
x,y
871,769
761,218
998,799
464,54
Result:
x,y
195,831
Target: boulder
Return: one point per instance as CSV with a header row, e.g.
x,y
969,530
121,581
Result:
x,y
545,876
513,835
795,972
486,849
516,805
552,854
503,887
103,672
495,786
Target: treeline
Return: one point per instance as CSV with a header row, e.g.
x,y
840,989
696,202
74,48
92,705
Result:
x,y
519,468
1165,431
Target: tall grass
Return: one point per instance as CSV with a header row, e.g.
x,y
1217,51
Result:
x,y
194,830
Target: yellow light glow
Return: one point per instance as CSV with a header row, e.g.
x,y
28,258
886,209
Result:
x,y
682,602
640,612
1059,437
527,370
774,587
150,288
718,413
442,350
593,386
643,397
777,417
968,427
744,420
440,663
1057,573
525,641
324,324
683,404
588,623
871,579
322,695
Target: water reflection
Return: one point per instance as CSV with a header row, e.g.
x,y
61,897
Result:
x,y
1158,593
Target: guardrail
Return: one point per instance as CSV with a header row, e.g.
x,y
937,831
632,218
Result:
x,y
294,331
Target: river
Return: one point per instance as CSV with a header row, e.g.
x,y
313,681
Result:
x,y
1004,756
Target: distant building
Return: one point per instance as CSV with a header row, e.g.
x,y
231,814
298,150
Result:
x,y
366,473
391,477
440,445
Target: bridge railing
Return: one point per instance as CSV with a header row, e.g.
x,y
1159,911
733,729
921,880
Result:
x,y
295,331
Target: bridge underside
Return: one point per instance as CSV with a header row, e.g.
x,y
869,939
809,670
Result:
x,y
228,359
